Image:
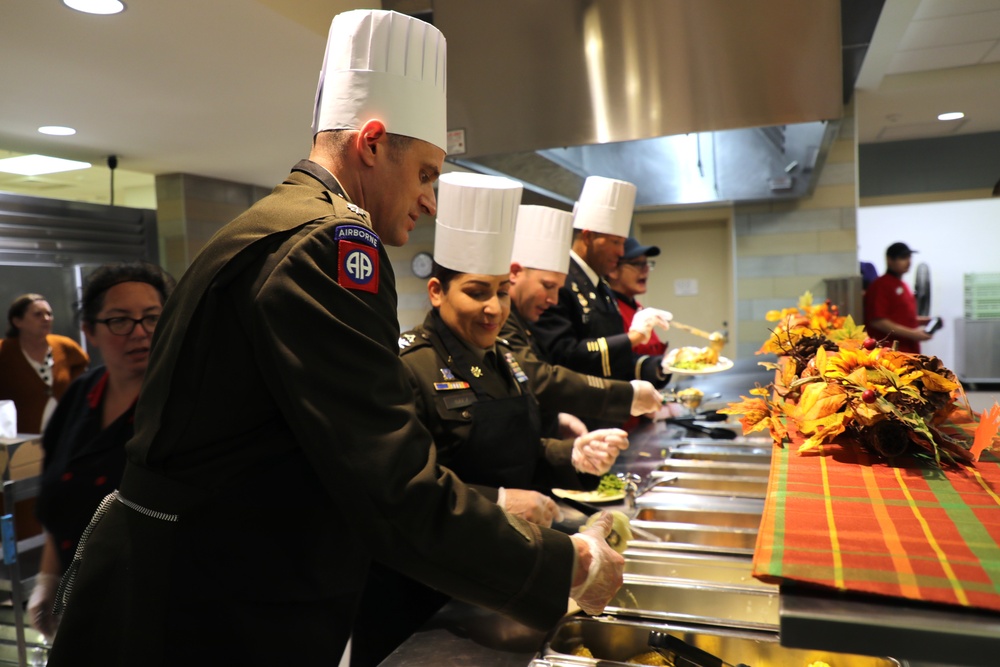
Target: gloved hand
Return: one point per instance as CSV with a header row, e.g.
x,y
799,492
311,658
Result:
x,y
530,506
646,319
595,452
602,566
646,400
43,596
668,360
570,426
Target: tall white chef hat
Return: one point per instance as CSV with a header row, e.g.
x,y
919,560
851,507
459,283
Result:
x,y
476,215
543,238
605,206
387,66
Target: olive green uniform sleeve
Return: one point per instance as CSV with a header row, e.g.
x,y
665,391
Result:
x,y
560,389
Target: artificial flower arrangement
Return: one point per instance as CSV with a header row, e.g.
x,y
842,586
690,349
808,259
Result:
x,y
833,380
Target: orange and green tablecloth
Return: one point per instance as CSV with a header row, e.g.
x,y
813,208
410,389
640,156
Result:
x,y
848,521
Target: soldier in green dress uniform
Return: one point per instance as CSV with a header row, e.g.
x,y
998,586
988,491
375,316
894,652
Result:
x,y
539,263
584,330
474,397
277,448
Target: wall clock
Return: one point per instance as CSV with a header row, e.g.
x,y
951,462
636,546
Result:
x,y
422,265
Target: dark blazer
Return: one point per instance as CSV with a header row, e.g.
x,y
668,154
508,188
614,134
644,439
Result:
x,y
277,423
585,332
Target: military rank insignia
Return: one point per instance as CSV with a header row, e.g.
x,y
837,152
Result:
x,y
357,258
515,367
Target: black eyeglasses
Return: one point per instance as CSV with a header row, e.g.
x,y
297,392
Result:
x,y
123,326
639,264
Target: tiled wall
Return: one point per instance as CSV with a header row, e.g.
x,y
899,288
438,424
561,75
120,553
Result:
x,y
784,249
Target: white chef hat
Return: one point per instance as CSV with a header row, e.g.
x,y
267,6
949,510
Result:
x,y
387,66
605,206
543,238
476,215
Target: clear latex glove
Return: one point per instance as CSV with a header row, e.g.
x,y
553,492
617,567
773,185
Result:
x,y
604,567
668,360
570,426
646,400
43,597
595,452
530,506
647,319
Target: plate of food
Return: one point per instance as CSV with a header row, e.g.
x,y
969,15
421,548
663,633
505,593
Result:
x,y
610,490
695,361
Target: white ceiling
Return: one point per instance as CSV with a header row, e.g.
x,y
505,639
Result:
x,y
929,57
224,88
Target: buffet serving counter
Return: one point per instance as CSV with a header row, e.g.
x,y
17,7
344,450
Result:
x,y
688,573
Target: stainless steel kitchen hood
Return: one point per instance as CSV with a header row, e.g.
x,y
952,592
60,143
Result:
x,y
692,100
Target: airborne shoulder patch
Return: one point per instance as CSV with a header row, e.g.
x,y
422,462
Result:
x,y
357,258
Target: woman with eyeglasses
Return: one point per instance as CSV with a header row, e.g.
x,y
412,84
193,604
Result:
x,y
85,440
36,366
628,280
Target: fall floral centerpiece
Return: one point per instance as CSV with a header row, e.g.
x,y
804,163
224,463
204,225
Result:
x,y
833,381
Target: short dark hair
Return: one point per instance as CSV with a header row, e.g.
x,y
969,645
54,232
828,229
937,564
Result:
x,y
444,275
336,140
107,276
18,308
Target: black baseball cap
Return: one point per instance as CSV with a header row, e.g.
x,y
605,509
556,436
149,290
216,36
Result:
x,y
899,251
633,249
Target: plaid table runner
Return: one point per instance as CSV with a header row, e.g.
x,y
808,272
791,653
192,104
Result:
x,y
850,522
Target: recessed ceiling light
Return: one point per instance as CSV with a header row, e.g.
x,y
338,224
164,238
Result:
x,y
35,165
951,115
57,130
96,6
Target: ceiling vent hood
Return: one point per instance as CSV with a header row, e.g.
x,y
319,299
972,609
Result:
x,y
694,101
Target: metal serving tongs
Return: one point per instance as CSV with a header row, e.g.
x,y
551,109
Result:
x,y
690,402
679,653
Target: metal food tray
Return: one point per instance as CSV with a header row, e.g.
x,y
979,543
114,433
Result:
x,y
614,641
708,589
699,522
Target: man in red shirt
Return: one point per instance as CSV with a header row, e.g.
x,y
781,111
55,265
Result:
x,y
890,308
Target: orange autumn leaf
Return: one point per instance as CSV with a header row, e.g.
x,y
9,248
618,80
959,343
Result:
x,y
778,430
818,400
935,382
822,430
989,423
754,410
788,374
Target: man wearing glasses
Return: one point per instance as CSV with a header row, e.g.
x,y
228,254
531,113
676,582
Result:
x,y
585,331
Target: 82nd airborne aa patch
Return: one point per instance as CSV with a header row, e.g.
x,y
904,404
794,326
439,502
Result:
x,y
357,258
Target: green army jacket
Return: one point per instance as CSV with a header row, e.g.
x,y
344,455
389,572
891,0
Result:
x,y
450,418
560,389
275,397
